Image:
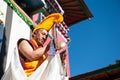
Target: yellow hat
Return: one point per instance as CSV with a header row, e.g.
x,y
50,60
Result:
x,y
48,22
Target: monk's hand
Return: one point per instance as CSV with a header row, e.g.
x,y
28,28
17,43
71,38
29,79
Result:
x,y
47,46
47,42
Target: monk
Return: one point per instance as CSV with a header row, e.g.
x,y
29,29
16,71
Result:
x,y
34,51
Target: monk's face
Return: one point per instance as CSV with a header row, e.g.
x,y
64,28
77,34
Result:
x,y
41,36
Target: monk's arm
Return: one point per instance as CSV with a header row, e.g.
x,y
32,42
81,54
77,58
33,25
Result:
x,y
26,49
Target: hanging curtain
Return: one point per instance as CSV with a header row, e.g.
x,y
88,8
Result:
x,y
50,69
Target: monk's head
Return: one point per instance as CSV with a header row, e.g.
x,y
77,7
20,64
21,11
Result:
x,y
40,31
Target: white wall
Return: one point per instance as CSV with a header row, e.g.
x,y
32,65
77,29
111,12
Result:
x,y
19,29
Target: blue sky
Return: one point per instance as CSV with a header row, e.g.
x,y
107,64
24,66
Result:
x,y
95,43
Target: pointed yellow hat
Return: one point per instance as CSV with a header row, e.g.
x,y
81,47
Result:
x,y
48,22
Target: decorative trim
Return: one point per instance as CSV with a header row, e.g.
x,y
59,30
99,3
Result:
x,y
20,12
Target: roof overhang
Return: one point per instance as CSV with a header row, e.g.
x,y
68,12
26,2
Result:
x,y
74,11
